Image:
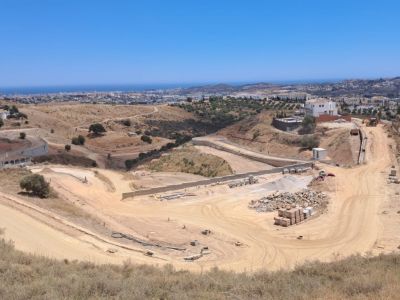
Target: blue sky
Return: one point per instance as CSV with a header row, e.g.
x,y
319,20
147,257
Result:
x,y
71,42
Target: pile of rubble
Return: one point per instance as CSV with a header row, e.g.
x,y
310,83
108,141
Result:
x,y
304,198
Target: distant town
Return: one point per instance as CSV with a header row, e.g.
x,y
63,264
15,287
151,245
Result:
x,y
357,97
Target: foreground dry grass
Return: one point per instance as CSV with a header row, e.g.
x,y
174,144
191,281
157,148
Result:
x,y
24,276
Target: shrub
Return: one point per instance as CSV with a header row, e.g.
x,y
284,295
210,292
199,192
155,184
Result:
x,y
1,123
308,126
36,185
79,140
97,128
74,141
309,142
126,122
13,110
67,147
22,135
130,163
146,139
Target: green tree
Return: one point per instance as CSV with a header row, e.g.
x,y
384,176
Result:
x,y
13,110
67,148
309,142
36,185
79,140
22,135
308,125
1,123
146,138
97,128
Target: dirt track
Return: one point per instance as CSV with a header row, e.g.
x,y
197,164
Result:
x,y
353,223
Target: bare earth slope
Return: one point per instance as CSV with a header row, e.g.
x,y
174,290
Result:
x,y
257,134
353,224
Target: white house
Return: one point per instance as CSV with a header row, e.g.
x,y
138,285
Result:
x,y
4,114
318,107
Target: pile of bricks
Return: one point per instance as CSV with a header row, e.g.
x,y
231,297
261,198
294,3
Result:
x,y
287,217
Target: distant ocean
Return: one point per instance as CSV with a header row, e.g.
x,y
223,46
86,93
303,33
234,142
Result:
x,y
131,87
88,88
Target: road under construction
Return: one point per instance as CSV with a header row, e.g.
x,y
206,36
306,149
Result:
x,y
213,226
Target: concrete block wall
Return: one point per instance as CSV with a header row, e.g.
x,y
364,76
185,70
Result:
x,y
210,181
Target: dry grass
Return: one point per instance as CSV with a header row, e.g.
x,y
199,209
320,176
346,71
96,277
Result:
x,y
10,178
24,276
190,160
9,183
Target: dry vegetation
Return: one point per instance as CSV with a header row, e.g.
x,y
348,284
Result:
x,y
257,133
190,160
25,276
64,158
9,183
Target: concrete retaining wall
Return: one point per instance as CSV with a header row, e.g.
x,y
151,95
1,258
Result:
x,y
24,156
266,160
185,185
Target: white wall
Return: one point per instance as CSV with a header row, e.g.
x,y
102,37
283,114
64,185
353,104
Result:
x,y
316,109
3,115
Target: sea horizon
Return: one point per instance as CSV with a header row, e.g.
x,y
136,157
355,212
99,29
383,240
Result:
x,y
93,88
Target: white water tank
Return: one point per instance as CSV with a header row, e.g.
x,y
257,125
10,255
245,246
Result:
x,y
319,153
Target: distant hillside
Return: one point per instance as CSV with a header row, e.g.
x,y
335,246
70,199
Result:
x,y
388,87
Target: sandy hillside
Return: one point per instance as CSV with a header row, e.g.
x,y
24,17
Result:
x,y
188,159
258,134
58,123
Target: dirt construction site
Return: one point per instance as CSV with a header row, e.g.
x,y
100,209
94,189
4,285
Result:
x,y
213,225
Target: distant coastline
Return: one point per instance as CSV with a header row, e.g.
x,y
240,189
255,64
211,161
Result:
x,y
35,90
87,88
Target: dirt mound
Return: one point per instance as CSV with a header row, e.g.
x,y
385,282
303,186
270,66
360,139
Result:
x,y
342,147
257,134
66,159
190,160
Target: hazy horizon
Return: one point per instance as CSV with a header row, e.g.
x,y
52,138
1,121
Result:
x,y
127,87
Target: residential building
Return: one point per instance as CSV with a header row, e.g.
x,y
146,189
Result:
x,y
4,114
319,107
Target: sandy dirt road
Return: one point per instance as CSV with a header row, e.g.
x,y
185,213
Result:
x,y
353,223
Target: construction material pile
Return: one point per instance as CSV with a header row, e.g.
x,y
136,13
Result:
x,y
304,198
287,217
249,180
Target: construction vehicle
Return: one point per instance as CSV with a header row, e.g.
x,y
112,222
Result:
x,y
371,122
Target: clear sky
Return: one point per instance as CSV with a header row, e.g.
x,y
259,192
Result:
x,y
78,42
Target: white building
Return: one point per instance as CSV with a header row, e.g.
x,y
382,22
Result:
x,y
319,153
318,107
4,114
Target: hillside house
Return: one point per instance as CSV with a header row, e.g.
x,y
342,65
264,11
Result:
x,y
318,107
4,114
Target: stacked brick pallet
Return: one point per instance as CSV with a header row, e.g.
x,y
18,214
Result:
x,y
287,217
